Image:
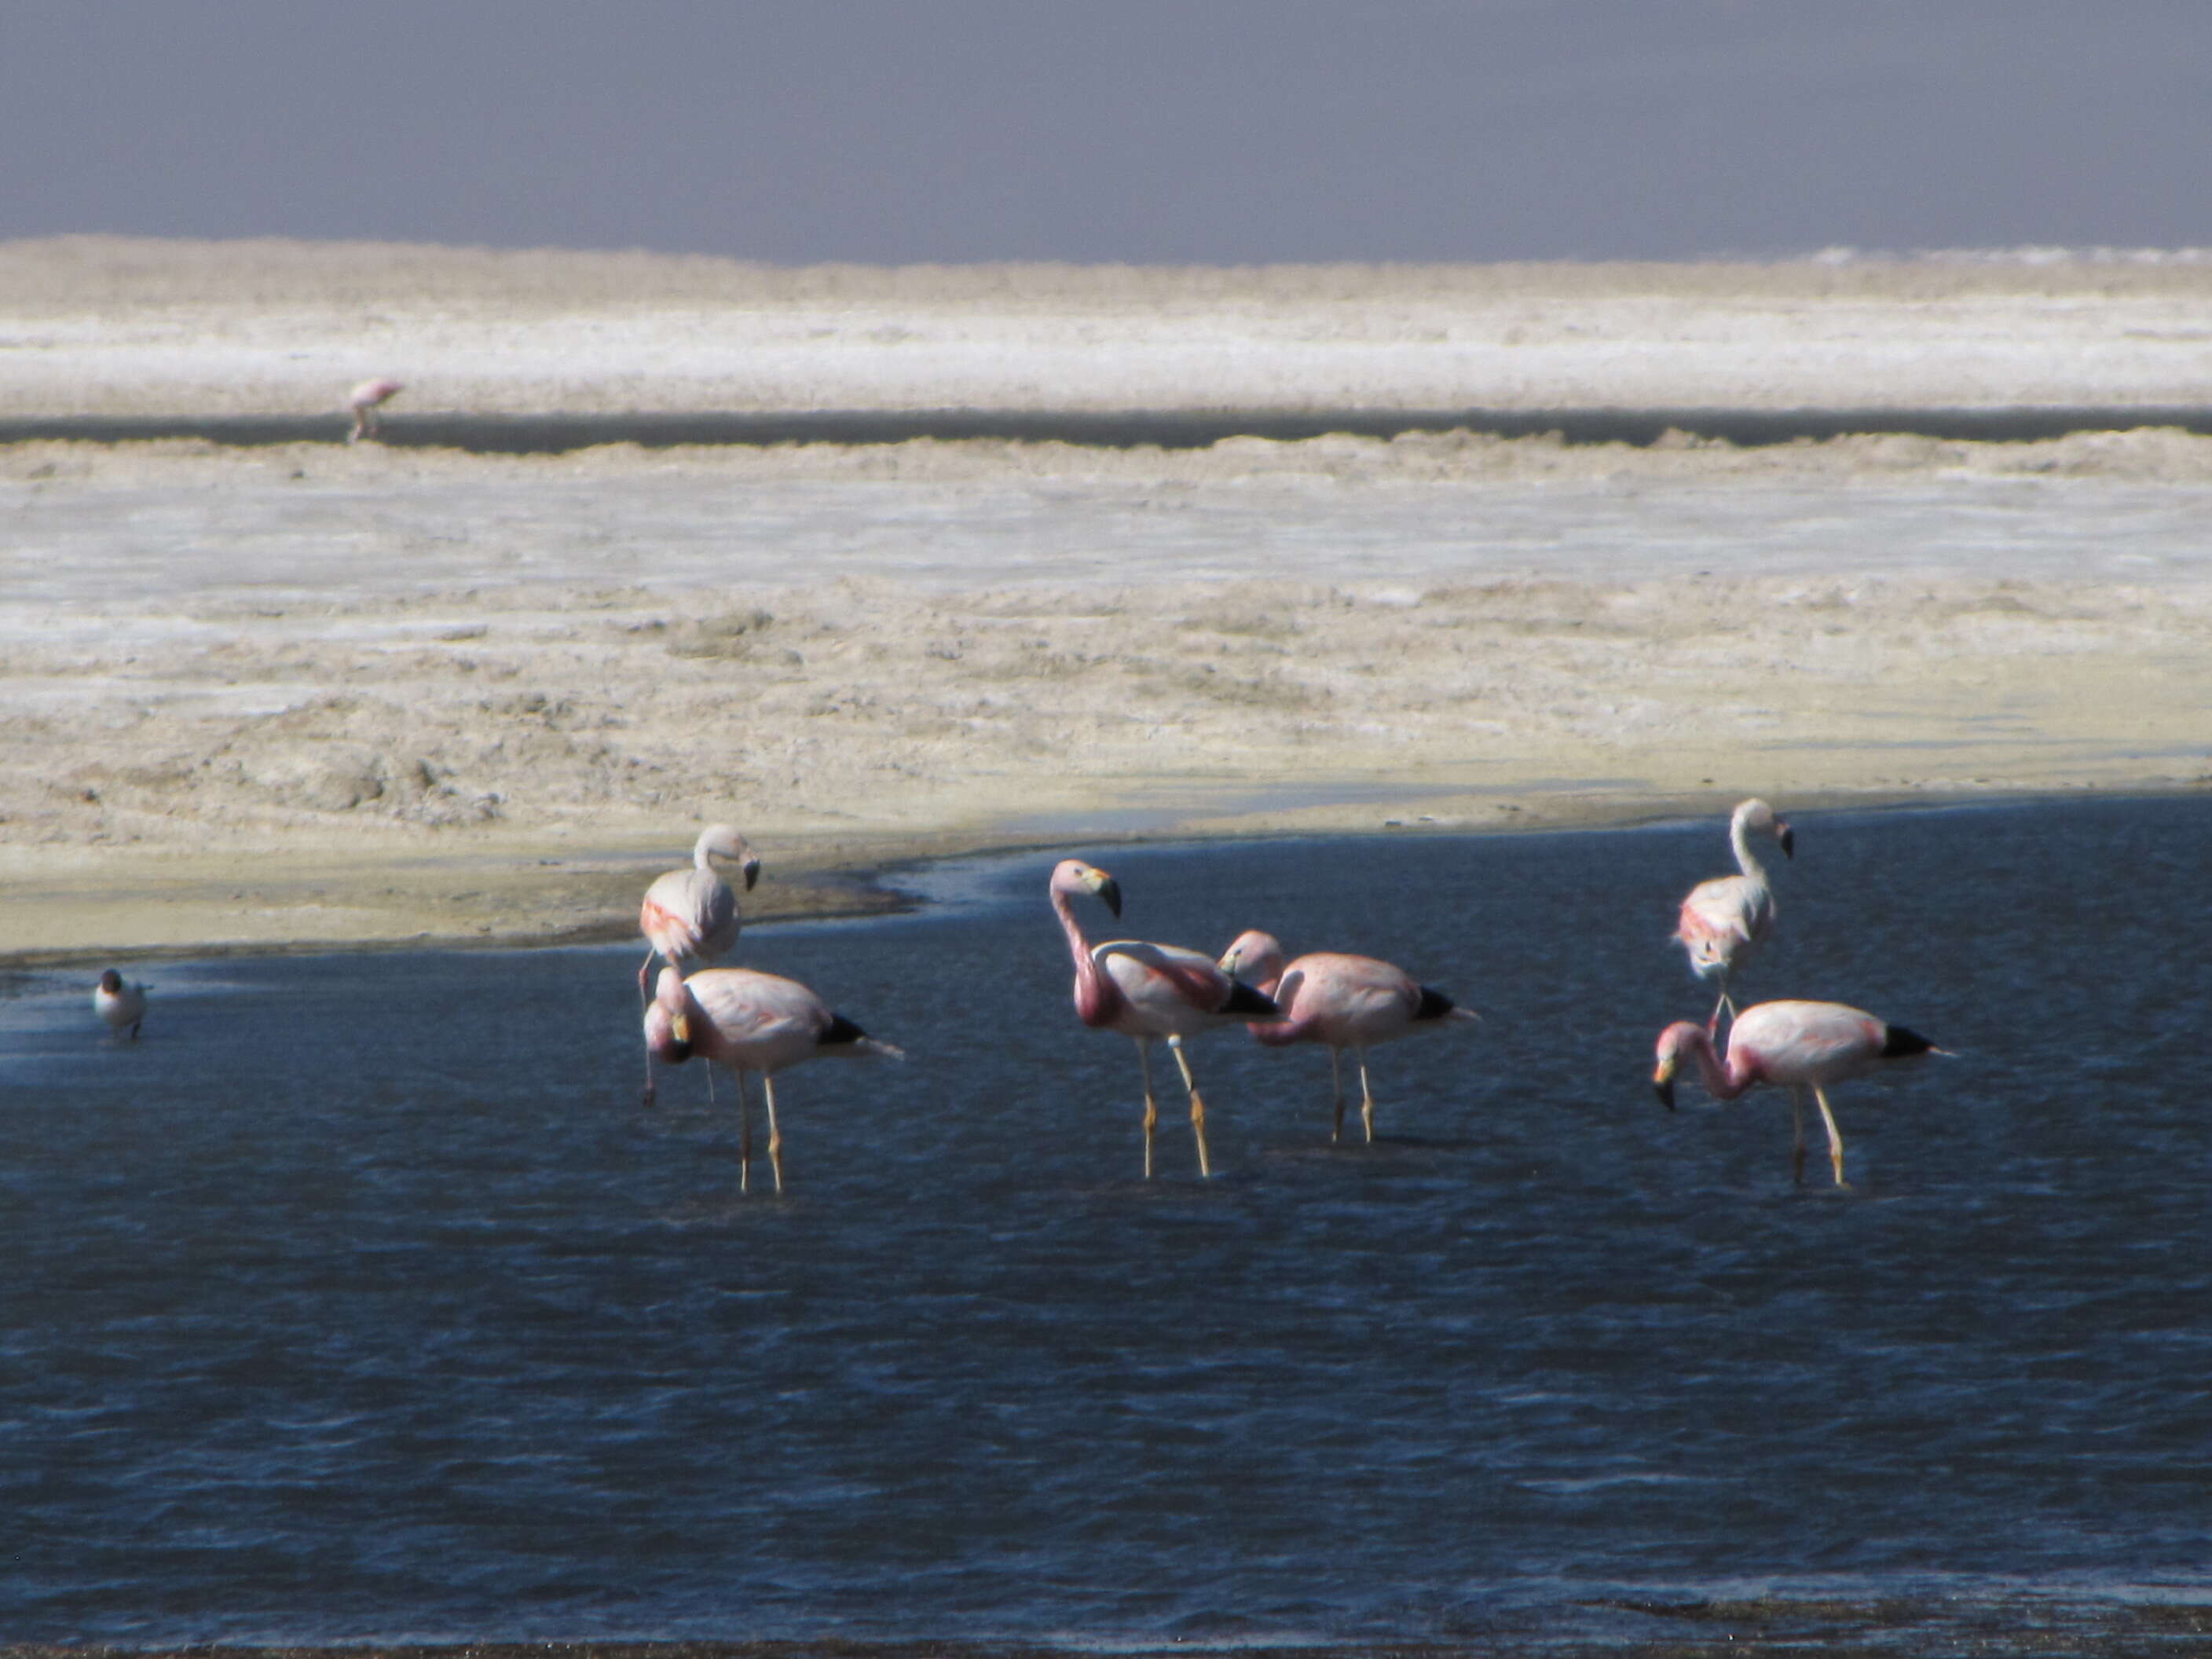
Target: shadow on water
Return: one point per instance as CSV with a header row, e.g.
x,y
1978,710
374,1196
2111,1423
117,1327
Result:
x,y
360,1300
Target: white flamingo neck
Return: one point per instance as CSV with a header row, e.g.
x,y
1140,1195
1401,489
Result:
x,y
1740,840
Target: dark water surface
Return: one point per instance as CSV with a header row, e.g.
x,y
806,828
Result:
x,y
360,1300
1169,428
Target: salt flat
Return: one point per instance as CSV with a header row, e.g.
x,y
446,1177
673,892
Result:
x,y
315,692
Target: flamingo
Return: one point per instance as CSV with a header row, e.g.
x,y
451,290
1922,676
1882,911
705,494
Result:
x,y
749,1021
1146,990
691,915
365,400
1796,1046
121,1005
1345,1001
1724,920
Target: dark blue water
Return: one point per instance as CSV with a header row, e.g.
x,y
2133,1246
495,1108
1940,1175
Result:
x,y
359,1299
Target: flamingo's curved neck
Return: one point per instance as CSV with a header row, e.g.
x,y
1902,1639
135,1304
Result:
x,y
1092,990
1740,839
1720,1080
701,853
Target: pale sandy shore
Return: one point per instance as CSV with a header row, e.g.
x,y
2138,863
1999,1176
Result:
x,y
315,695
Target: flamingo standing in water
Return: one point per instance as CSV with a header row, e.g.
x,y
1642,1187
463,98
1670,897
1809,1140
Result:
x,y
1146,990
691,915
1345,1001
750,1022
122,1005
1724,920
1798,1046
365,401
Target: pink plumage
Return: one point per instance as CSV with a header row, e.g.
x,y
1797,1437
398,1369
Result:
x,y
1342,1002
1798,1046
1147,992
365,401
1723,921
691,915
755,1024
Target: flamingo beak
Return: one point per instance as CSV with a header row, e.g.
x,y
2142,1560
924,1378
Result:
x,y
752,867
1109,893
1662,1083
1788,840
1230,961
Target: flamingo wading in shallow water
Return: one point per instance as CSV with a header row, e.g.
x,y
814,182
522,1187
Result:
x,y
1798,1046
1148,991
366,400
122,1005
1344,1002
750,1022
1723,921
691,915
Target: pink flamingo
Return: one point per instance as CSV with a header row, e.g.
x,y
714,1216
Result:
x,y
691,915
1725,921
1345,1001
1146,990
750,1022
365,401
123,1005
1796,1046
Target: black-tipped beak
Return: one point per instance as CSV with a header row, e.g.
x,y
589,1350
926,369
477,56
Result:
x,y
1109,893
1789,839
752,873
1663,1086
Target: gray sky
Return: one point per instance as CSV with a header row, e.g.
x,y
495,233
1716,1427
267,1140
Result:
x,y
1217,131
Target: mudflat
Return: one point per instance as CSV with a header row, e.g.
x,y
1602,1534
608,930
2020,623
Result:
x,y
317,694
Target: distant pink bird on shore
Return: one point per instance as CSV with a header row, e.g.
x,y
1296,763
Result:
x,y
691,915
1723,921
1148,991
753,1023
365,401
1798,1046
1344,1002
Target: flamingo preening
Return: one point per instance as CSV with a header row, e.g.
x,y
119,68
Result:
x,y
1723,921
1798,1046
691,915
750,1022
1147,991
365,401
122,1005
1344,1002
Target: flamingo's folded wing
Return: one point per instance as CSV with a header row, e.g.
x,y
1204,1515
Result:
x,y
1139,966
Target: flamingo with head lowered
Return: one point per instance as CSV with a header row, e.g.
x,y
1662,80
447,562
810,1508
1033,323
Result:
x,y
1798,1046
1344,1002
750,1022
1723,921
1149,991
367,402
691,915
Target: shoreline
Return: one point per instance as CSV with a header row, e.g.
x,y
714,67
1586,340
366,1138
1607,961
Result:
x,y
596,893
